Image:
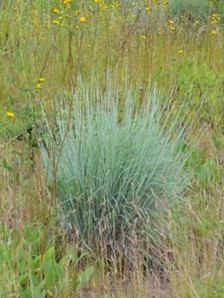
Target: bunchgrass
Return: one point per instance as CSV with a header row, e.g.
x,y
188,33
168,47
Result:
x,y
114,166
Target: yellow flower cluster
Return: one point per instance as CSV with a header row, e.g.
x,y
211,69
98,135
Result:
x,y
40,80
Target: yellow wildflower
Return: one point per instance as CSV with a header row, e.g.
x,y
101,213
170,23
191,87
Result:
x,y
67,1
215,16
83,19
55,10
172,28
143,36
213,22
56,22
38,86
10,114
97,1
214,32
77,26
77,12
180,52
170,22
41,80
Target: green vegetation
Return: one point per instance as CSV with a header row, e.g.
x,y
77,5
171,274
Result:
x,y
33,267
107,187
110,166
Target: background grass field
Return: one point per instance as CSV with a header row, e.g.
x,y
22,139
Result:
x,y
55,53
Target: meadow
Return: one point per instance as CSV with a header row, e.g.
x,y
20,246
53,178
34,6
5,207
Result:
x,y
111,148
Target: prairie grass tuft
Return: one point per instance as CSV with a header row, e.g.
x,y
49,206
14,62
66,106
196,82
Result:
x,y
114,166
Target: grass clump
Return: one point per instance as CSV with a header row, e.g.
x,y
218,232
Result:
x,y
113,166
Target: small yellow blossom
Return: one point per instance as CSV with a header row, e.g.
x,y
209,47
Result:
x,y
213,22
77,26
55,10
38,86
214,32
172,28
60,18
148,8
10,114
170,22
67,1
56,22
216,16
83,19
143,36
78,12
180,52
41,80
196,22
97,1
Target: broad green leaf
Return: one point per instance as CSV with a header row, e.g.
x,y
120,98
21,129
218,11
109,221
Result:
x,y
50,274
60,272
83,278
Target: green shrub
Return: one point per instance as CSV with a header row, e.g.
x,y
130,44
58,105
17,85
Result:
x,y
116,164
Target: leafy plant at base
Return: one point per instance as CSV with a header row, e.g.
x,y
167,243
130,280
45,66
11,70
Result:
x,y
27,272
